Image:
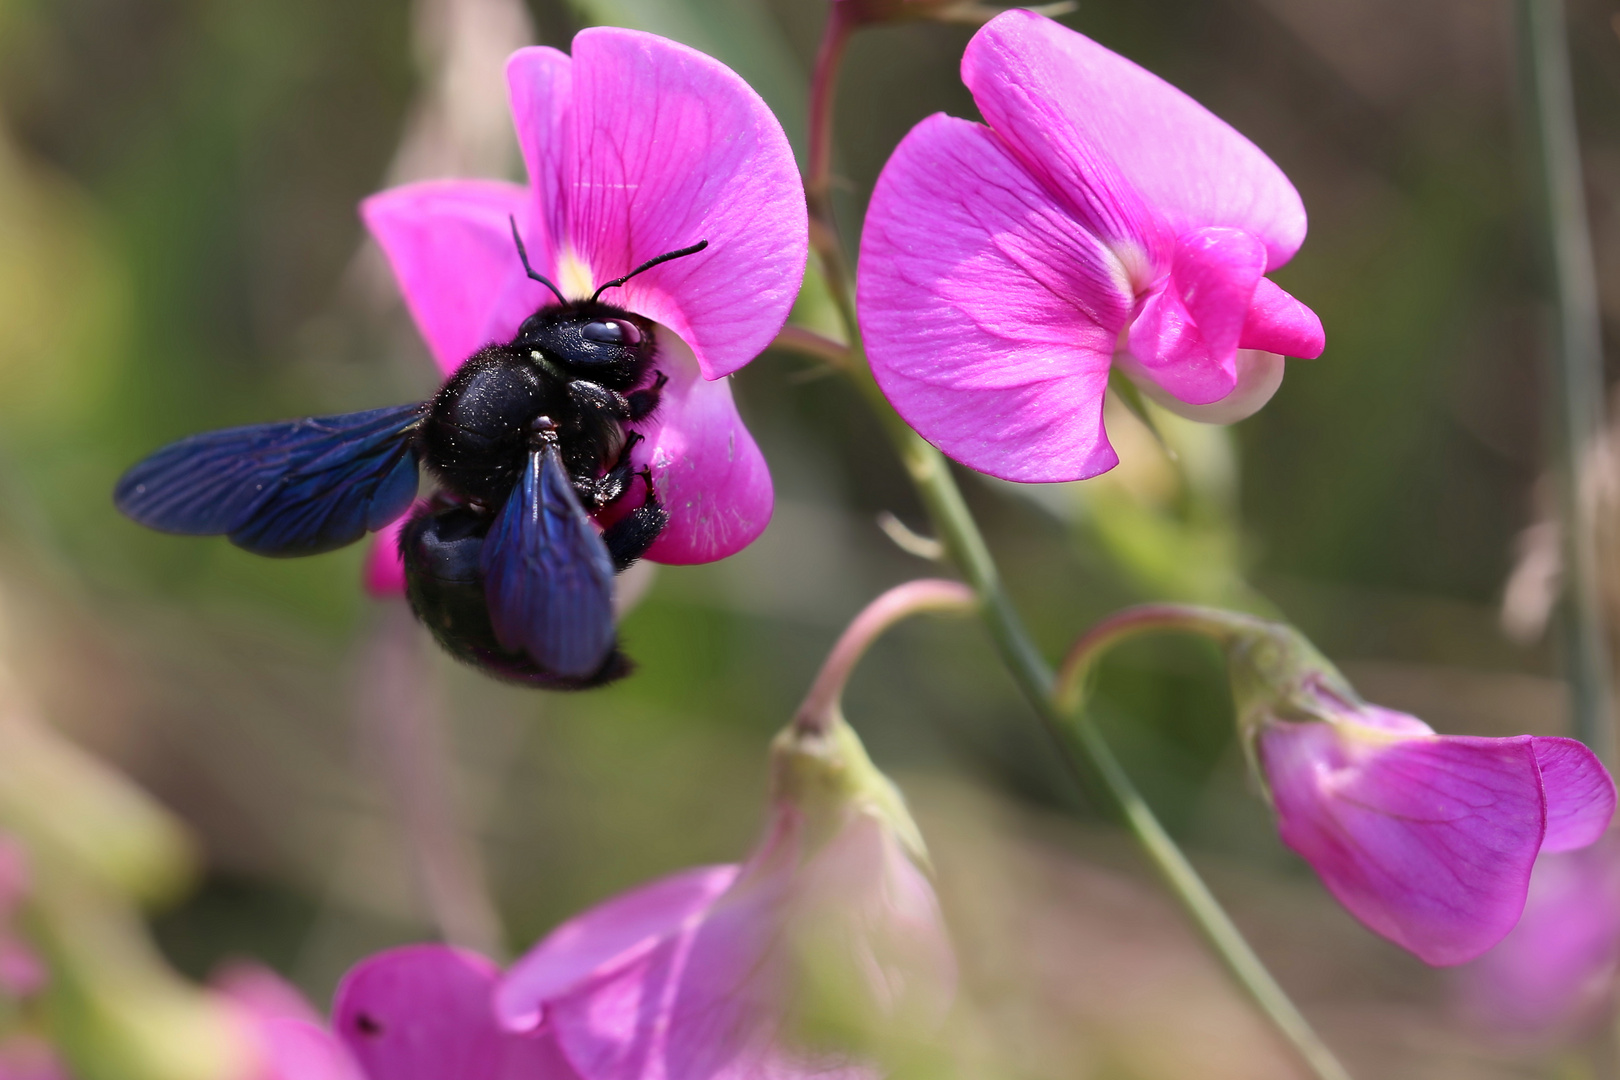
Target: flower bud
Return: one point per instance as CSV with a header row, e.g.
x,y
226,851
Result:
x,y
829,927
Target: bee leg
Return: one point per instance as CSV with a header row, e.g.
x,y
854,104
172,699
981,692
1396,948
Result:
x,y
616,480
629,538
595,398
644,402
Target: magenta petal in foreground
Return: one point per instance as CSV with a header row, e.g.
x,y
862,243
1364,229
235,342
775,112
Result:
x,y
426,1012
1428,840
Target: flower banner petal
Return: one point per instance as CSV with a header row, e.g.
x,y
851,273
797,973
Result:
x,y
989,314
673,148
1116,139
1428,840
450,244
1580,794
539,85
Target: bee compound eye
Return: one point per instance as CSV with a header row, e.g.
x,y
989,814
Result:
x,y
611,332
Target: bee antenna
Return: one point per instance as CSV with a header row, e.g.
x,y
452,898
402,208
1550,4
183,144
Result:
x,y
524,255
649,264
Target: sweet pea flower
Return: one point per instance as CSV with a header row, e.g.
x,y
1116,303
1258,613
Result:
x,y
1102,220
635,146
1555,972
713,973
1428,839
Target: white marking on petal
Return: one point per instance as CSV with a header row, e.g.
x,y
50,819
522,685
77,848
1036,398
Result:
x,y
574,275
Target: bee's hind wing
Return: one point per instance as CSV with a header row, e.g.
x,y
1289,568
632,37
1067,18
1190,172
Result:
x,y
548,577
297,487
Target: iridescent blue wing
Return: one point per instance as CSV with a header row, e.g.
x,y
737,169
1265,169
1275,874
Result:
x,y
548,578
297,487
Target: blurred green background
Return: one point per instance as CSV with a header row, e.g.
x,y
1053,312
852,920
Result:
x,y
179,251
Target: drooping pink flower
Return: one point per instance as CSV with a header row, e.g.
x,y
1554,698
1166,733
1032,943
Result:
x,y
635,146
1555,973
1101,219
1428,839
701,975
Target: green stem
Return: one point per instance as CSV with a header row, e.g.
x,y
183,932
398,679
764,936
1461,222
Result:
x,y
1087,754
1577,373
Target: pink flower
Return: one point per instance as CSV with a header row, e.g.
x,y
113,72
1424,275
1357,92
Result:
x,y
702,975
421,1012
1556,970
636,146
1427,839
1102,218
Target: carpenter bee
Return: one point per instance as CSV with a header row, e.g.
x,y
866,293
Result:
x,y
527,440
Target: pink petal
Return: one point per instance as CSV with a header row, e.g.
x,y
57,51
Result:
x,y
1428,840
540,85
1185,338
606,937
989,313
1558,965
1580,794
295,1049
672,147
450,244
1116,140
262,992
1278,323
384,573
426,1012
706,467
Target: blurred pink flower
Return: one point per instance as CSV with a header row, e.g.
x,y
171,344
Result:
x,y
1102,219
1556,971
1427,839
421,1012
636,146
702,975
22,972
28,1057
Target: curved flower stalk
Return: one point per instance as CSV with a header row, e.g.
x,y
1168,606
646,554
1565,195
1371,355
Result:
x,y
1555,972
1102,220
635,146
1428,839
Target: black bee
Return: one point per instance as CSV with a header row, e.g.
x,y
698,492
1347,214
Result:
x,y
527,440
